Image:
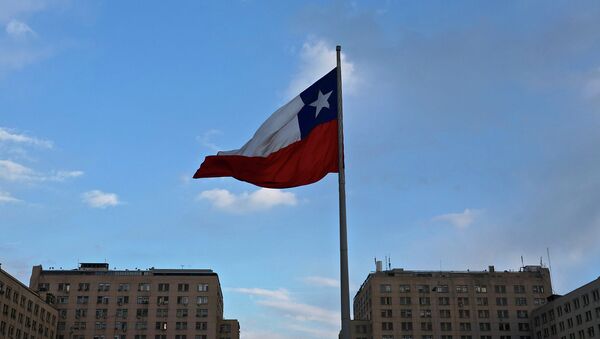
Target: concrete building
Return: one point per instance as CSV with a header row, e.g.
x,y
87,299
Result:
x,y
575,315
24,315
400,304
94,302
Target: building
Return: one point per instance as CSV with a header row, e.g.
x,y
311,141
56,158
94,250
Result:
x,y
95,302
401,304
575,315
24,315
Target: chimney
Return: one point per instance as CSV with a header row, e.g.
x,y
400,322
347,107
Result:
x,y
491,269
378,266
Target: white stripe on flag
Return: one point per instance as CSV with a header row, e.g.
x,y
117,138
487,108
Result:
x,y
279,131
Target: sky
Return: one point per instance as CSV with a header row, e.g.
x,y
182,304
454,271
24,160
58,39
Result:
x,y
471,138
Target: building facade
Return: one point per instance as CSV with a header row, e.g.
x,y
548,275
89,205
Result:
x,y
575,315
402,304
24,314
95,302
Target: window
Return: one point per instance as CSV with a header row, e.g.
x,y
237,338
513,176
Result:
x,y
201,312
444,301
143,300
202,287
123,287
501,301
161,325
442,289
521,301
101,313
576,303
464,314
503,314
406,326
123,299
60,300
141,312
387,326
483,314
181,325
163,287
462,289
426,326
385,300
101,300
482,301
385,288
121,313
519,289
425,313
162,312
539,301
405,313
424,301
201,325
44,287
465,326
103,287
403,301
182,313
143,287
201,300
80,313
100,325
444,313
64,287
121,325
463,301
485,327
141,325
84,287
596,295
537,289
500,289
524,327
183,287
181,300
162,300
386,313
423,288
480,289
404,288
446,326
522,314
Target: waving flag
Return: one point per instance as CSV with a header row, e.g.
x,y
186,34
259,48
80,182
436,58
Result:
x,y
297,145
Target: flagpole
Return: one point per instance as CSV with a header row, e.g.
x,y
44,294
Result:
x,y
344,284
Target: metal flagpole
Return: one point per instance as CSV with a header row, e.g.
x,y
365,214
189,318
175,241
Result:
x,y
345,289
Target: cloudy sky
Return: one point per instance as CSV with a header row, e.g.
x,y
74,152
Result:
x,y
472,139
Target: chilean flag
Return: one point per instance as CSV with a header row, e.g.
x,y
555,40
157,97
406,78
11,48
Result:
x,y
296,146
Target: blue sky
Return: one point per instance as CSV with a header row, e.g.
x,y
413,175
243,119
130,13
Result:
x,y
471,139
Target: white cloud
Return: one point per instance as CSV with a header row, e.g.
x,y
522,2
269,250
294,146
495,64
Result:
x,y
322,281
6,197
13,171
7,135
459,220
591,88
99,199
317,57
281,301
261,199
19,30
205,140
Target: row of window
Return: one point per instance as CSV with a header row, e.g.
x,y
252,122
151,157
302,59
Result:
x,y
501,289
461,301
123,313
137,336
463,314
566,308
139,325
11,332
581,334
447,326
562,325
141,300
408,336
123,287
24,303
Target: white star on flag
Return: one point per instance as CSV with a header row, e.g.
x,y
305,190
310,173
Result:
x,y
321,102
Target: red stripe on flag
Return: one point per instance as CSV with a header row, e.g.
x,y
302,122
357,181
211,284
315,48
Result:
x,y
300,163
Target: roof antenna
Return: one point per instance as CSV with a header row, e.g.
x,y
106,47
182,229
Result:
x,y
550,268
522,264
390,263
